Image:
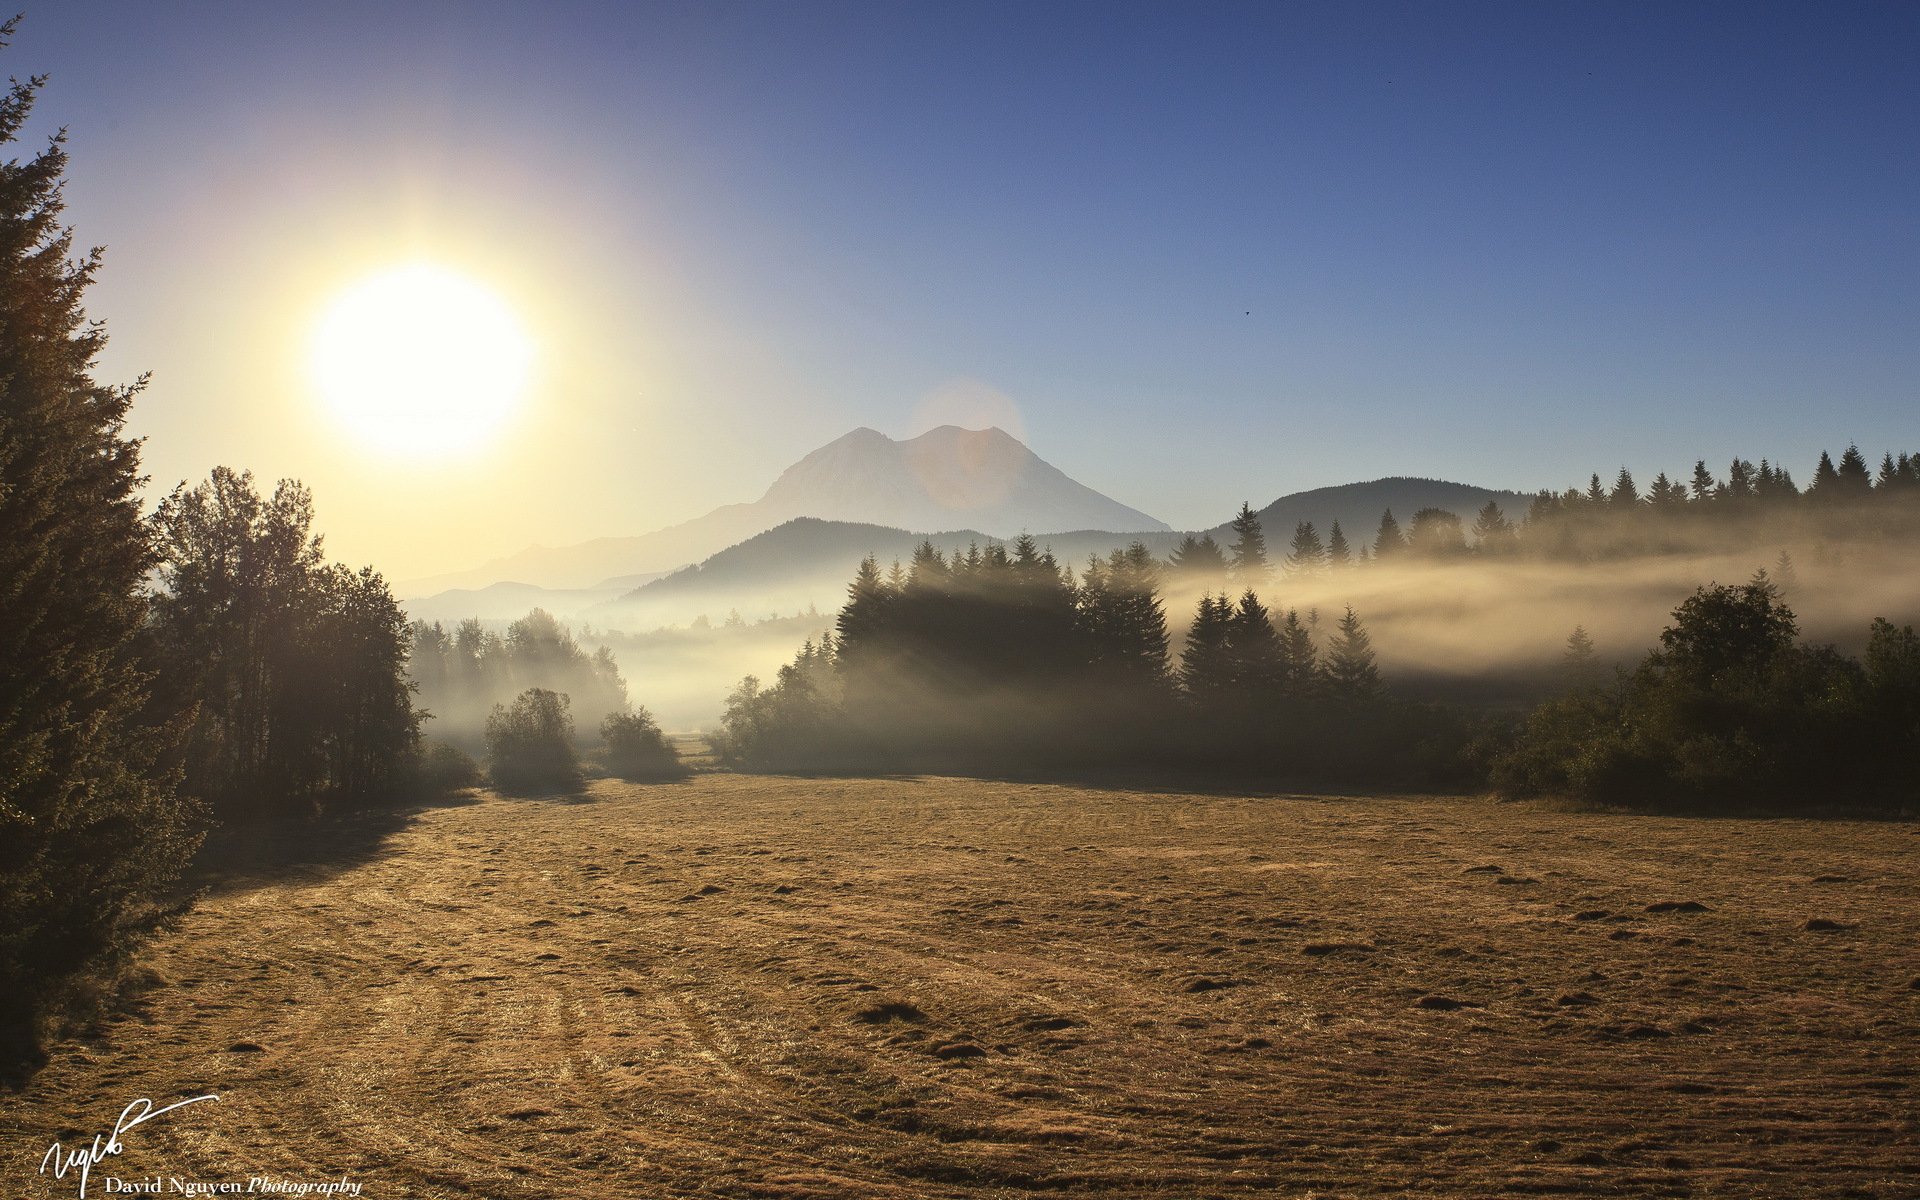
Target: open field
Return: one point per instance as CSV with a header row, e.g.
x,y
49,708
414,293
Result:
x,y
776,987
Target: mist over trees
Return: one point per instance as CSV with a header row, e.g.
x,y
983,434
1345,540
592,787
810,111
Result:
x,y
464,673
1001,659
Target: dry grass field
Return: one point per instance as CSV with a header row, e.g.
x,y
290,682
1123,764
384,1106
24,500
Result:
x,y
778,987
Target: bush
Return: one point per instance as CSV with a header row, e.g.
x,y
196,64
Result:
x,y
635,747
440,768
530,743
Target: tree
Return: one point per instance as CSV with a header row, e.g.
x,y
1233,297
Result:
x,y
1307,555
636,749
1247,562
1198,561
530,743
1258,673
1856,482
1703,482
1825,487
1299,661
294,671
1580,663
1350,671
1493,534
1339,554
91,827
1436,533
1625,496
1388,541
1206,665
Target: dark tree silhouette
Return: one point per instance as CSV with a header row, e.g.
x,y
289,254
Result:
x,y
1306,555
1350,671
1247,563
1388,542
91,830
1339,553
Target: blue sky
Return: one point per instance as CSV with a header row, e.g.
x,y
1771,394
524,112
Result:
x,y
1200,252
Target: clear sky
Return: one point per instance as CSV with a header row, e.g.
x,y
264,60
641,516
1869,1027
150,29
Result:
x,y
1192,253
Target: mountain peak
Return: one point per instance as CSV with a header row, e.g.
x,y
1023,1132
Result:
x,y
947,477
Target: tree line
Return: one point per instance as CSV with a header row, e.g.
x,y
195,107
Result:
x,y
1753,505
1003,658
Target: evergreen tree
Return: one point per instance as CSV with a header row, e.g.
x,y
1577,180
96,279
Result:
x,y
91,829
1625,496
1784,573
1826,481
1306,555
1854,479
1350,671
1580,663
1493,534
1339,554
1206,665
1389,541
1255,652
1247,562
1740,482
1703,482
1596,492
1198,562
1299,661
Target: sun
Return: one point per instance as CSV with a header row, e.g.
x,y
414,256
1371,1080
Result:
x,y
420,361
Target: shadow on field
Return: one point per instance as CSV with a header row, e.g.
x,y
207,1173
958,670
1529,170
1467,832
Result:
x,y
239,856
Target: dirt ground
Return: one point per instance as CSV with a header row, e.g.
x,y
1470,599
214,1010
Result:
x,y
778,987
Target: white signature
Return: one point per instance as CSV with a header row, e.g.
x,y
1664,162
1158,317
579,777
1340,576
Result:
x,y
139,1112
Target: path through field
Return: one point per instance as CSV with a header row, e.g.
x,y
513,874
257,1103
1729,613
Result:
x,y
774,987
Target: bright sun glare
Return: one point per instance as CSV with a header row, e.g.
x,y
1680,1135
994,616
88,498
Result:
x,y
421,361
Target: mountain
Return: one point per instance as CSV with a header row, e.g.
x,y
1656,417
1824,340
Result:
x,y
808,563
1357,506
984,479
946,478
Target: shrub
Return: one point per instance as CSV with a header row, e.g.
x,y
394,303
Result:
x,y
440,768
530,743
635,747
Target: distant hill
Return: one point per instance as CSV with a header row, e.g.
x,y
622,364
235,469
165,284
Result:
x,y
1357,506
946,478
810,562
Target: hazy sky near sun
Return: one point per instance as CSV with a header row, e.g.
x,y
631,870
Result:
x,y
1193,253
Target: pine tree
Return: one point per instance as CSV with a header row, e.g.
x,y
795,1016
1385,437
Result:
x,y
1247,562
1339,554
1855,480
1493,534
1206,665
1299,661
1625,496
1703,482
1350,671
1306,555
1389,541
1825,487
1198,561
91,827
1740,482
1580,663
1255,651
